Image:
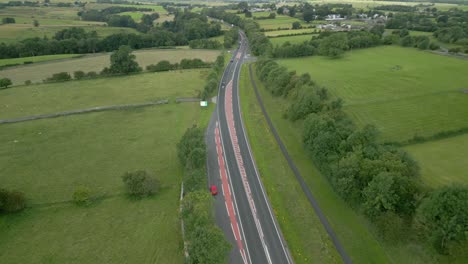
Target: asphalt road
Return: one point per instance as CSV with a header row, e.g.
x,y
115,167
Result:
x,y
242,207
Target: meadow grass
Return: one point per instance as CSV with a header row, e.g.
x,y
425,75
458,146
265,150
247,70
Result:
x,y
303,232
277,33
284,191
39,72
279,22
73,95
135,15
291,39
403,91
47,159
37,59
443,162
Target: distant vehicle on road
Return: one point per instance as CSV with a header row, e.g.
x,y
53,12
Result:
x,y
214,190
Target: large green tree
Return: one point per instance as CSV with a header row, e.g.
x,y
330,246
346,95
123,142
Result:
x,y
334,45
445,215
123,61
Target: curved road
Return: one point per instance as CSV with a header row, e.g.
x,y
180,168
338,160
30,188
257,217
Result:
x,y
242,207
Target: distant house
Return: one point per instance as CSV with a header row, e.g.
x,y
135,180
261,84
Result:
x,y
255,9
334,17
362,16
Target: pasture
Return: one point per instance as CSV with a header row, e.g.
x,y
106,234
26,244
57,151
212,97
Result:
x,y
277,33
39,72
303,231
443,162
49,158
279,22
291,39
72,95
404,92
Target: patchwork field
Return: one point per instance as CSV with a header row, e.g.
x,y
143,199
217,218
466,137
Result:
x,y
403,91
38,72
51,157
443,162
279,22
291,39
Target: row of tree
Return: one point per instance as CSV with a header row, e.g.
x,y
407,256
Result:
x,y
379,179
205,241
213,77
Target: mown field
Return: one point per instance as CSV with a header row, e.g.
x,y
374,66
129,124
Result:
x,y
279,22
403,91
291,39
304,233
301,227
47,159
443,162
39,72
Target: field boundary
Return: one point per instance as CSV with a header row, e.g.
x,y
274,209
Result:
x,y
81,111
339,247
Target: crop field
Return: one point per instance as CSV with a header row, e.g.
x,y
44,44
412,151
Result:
x,y
39,72
402,91
291,39
51,157
37,59
443,162
51,98
299,224
277,33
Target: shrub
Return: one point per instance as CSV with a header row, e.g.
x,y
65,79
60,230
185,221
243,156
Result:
x,y
12,201
27,82
454,50
8,20
433,46
82,195
140,183
79,75
163,65
59,77
91,75
5,82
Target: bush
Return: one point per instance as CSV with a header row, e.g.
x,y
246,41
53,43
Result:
x,y
8,20
5,82
91,75
163,65
82,195
12,201
79,75
454,50
434,46
27,82
59,77
140,183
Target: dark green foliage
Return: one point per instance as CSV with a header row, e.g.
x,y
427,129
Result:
x,y
230,37
59,77
308,101
148,19
74,33
296,25
123,61
35,23
11,201
334,45
27,82
214,77
78,75
8,20
4,83
140,183
206,242
204,44
163,65
191,147
444,214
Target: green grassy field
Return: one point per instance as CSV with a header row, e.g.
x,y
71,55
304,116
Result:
x,y
99,6
47,159
285,193
291,39
279,22
403,91
37,59
366,4
39,72
291,31
135,15
58,97
306,239
443,162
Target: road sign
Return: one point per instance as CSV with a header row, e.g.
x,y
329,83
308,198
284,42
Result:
x,y
203,103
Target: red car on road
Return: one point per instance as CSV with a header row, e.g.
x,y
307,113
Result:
x,y
214,190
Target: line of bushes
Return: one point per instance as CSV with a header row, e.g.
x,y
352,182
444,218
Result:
x,y
380,180
165,65
441,135
213,77
205,241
